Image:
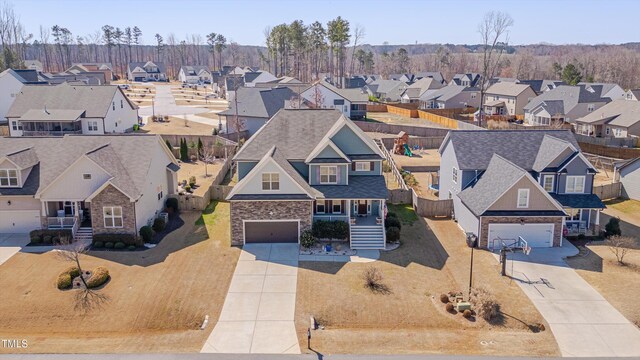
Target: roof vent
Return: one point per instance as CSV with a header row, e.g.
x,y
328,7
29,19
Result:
x,y
45,110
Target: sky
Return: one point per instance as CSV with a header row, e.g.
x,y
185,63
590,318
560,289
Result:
x,y
396,22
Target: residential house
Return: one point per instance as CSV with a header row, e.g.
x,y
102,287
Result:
x,y
251,78
540,86
231,84
513,184
255,106
10,85
450,97
105,68
75,76
304,166
147,71
194,74
618,119
562,104
354,82
628,173
405,78
435,75
70,109
606,90
632,94
507,98
351,102
387,90
89,184
33,65
470,79
414,91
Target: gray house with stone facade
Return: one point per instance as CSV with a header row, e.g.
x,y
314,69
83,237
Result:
x,y
520,184
90,184
303,166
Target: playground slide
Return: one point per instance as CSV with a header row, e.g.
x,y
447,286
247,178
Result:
x,y
407,150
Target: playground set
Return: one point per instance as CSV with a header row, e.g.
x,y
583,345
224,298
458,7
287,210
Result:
x,y
401,145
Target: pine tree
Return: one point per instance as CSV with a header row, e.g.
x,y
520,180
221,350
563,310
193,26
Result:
x,y
200,146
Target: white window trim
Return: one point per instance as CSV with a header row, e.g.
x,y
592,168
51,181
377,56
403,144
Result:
x,y
553,182
92,125
8,178
574,177
334,204
454,175
270,181
324,206
525,191
328,174
363,166
113,217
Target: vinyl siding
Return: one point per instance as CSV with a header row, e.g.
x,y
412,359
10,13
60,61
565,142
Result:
x,y
287,186
577,167
467,221
630,179
158,180
537,199
376,170
19,203
350,143
72,186
315,179
448,161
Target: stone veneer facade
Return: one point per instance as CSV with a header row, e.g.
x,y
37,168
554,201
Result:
x,y
111,196
486,220
267,210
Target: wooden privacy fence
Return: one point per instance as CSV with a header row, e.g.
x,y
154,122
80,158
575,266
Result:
x,y
438,119
385,128
608,191
376,108
429,142
411,113
612,152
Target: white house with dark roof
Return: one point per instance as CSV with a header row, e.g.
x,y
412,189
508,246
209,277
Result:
x,y
147,71
450,97
93,184
351,102
413,93
304,166
70,109
470,79
565,103
519,184
194,74
617,119
507,98
628,173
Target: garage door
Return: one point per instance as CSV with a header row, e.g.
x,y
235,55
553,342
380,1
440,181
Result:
x,y
19,221
536,235
270,232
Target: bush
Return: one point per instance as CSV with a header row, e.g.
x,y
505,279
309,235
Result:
x,y
340,230
307,239
98,244
47,239
128,239
444,298
620,246
392,222
192,180
36,240
55,240
393,234
146,233
172,203
62,233
131,247
386,167
119,245
613,227
372,277
100,276
484,303
158,225
64,281
323,229
449,307
109,245
467,314
187,188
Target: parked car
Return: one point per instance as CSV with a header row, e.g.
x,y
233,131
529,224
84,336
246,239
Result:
x,y
124,86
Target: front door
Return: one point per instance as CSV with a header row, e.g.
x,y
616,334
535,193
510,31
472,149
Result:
x,y
362,207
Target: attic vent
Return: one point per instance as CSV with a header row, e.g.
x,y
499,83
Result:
x,y
45,110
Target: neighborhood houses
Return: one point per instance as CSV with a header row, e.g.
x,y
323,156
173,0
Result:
x,y
321,192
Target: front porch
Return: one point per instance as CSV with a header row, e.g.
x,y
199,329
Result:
x,y
71,215
582,222
50,128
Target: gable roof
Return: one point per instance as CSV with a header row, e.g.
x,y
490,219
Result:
x,y
564,98
473,79
507,88
259,102
436,75
622,113
141,64
474,149
194,70
111,152
550,148
23,159
353,95
445,93
540,86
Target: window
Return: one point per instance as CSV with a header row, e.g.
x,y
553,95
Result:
x,y
113,105
160,195
270,181
112,216
337,207
591,107
575,184
547,182
16,125
86,176
328,174
338,102
92,125
121,104
523,198
455,175
363,166
573,214
320,207
473,95
8,177
608,131
617,132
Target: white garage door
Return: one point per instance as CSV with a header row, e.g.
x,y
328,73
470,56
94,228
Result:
x,y
536,235
21,221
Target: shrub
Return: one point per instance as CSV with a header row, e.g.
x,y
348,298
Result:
x,y
128,239
55,240
100,276
484,303
307,239
393,234
36,240
192,180
323,229
391,214
449,307
187,188
386,167
158,224
172,203
119,245
392,222
467,314
146,233
131,247
372,277
108,245
47,239
64,281
444,298
62,233
98,244
340,230
613,227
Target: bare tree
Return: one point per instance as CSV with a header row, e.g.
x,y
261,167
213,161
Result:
x,y
73,251
207,156
358,35
620,246
494,31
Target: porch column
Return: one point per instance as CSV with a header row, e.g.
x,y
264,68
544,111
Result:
x,y
597,227
44,208
348,205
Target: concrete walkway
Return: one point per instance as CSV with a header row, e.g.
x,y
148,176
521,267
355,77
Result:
x,y
10,244
258,312
165,104
582,321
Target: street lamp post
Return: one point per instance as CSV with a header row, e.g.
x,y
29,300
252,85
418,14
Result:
x,y
153,108
472,242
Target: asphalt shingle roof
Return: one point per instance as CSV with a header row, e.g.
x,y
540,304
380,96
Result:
x,y
550,148
564,98
579,201
360,187
623,113
259,102
507,88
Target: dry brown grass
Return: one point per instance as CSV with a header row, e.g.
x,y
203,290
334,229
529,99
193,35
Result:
x,y
406,320
617,283
176,126
157,299
197,169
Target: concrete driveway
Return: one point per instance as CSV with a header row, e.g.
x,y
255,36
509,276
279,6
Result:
x,y
165,104
258,312
582,321
10,244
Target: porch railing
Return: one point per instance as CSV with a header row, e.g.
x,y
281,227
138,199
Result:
x,y
61,222
50,133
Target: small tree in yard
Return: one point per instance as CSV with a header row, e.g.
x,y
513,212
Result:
x,y
72,252
620,246
207,155
613,227
184,150
200,146
484,303
372,277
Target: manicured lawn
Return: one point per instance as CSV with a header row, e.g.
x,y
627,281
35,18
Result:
x,y
433,259
618,284
156,299
405,213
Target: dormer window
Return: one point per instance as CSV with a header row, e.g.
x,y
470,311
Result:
x,y
363,166
328,174
575,184
8,177
270,181
591,107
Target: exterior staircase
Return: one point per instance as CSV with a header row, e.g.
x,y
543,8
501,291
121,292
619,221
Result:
x,y
367,237
84,234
